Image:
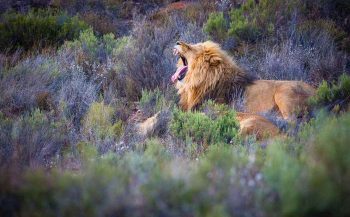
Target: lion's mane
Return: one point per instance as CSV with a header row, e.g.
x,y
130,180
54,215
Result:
x,y
212,74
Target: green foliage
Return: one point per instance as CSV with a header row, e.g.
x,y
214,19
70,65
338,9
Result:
x,y
155,149
222,157
216,26
312,181
91,46
152,102
86,41
288,178
90,193
110,43
283,169
334,95
244,26
85,151
119,45
330,166
252,20
98,122
37,29
203,129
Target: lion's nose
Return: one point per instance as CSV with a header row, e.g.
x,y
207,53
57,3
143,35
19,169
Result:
x,y
178,43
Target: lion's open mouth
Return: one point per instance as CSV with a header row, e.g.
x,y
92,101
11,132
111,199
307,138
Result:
x,y
181,71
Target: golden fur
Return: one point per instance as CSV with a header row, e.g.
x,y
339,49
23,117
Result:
x,y
252,124
212,74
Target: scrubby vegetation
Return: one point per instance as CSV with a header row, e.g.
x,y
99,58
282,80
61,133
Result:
x,y
76,80
216,126
38,29
333,96
288,178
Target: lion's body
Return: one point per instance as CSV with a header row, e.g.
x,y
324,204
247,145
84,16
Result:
x,y
212,74
286,97
252,124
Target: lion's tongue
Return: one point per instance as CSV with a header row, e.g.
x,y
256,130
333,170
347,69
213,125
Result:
x,y
180,71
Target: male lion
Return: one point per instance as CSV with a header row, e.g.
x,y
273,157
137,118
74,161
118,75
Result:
x,y
208,72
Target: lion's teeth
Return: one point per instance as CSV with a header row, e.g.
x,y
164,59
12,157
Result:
x,y
175,52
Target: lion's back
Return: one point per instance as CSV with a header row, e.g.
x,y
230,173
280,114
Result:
x,y
266,95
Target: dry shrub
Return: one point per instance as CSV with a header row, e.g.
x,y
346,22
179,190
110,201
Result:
x,y
147,62
100,22
21,85
76,96
36,140
310,57
199,11
340,37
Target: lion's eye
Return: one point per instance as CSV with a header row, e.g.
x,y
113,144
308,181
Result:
x,y
187,46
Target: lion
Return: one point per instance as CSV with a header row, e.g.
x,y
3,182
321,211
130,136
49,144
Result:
x,y
208,72
249,124
253,124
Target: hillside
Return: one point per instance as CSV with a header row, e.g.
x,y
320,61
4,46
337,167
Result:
x,y
91,124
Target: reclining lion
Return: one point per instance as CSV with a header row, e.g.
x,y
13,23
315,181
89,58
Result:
x,y
208,72
250,124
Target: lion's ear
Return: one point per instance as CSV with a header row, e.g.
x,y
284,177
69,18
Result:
x,y
214,61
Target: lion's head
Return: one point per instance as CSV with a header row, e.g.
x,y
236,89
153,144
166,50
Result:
x,y
205,71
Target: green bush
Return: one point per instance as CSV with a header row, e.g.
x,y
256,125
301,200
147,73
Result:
x,y
98,123
152,102
88,41
102,23
98,192
283,172
240,25
37,29
216,26
335,95
330,167
93,47
243,26
205,129
252,20
311,181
